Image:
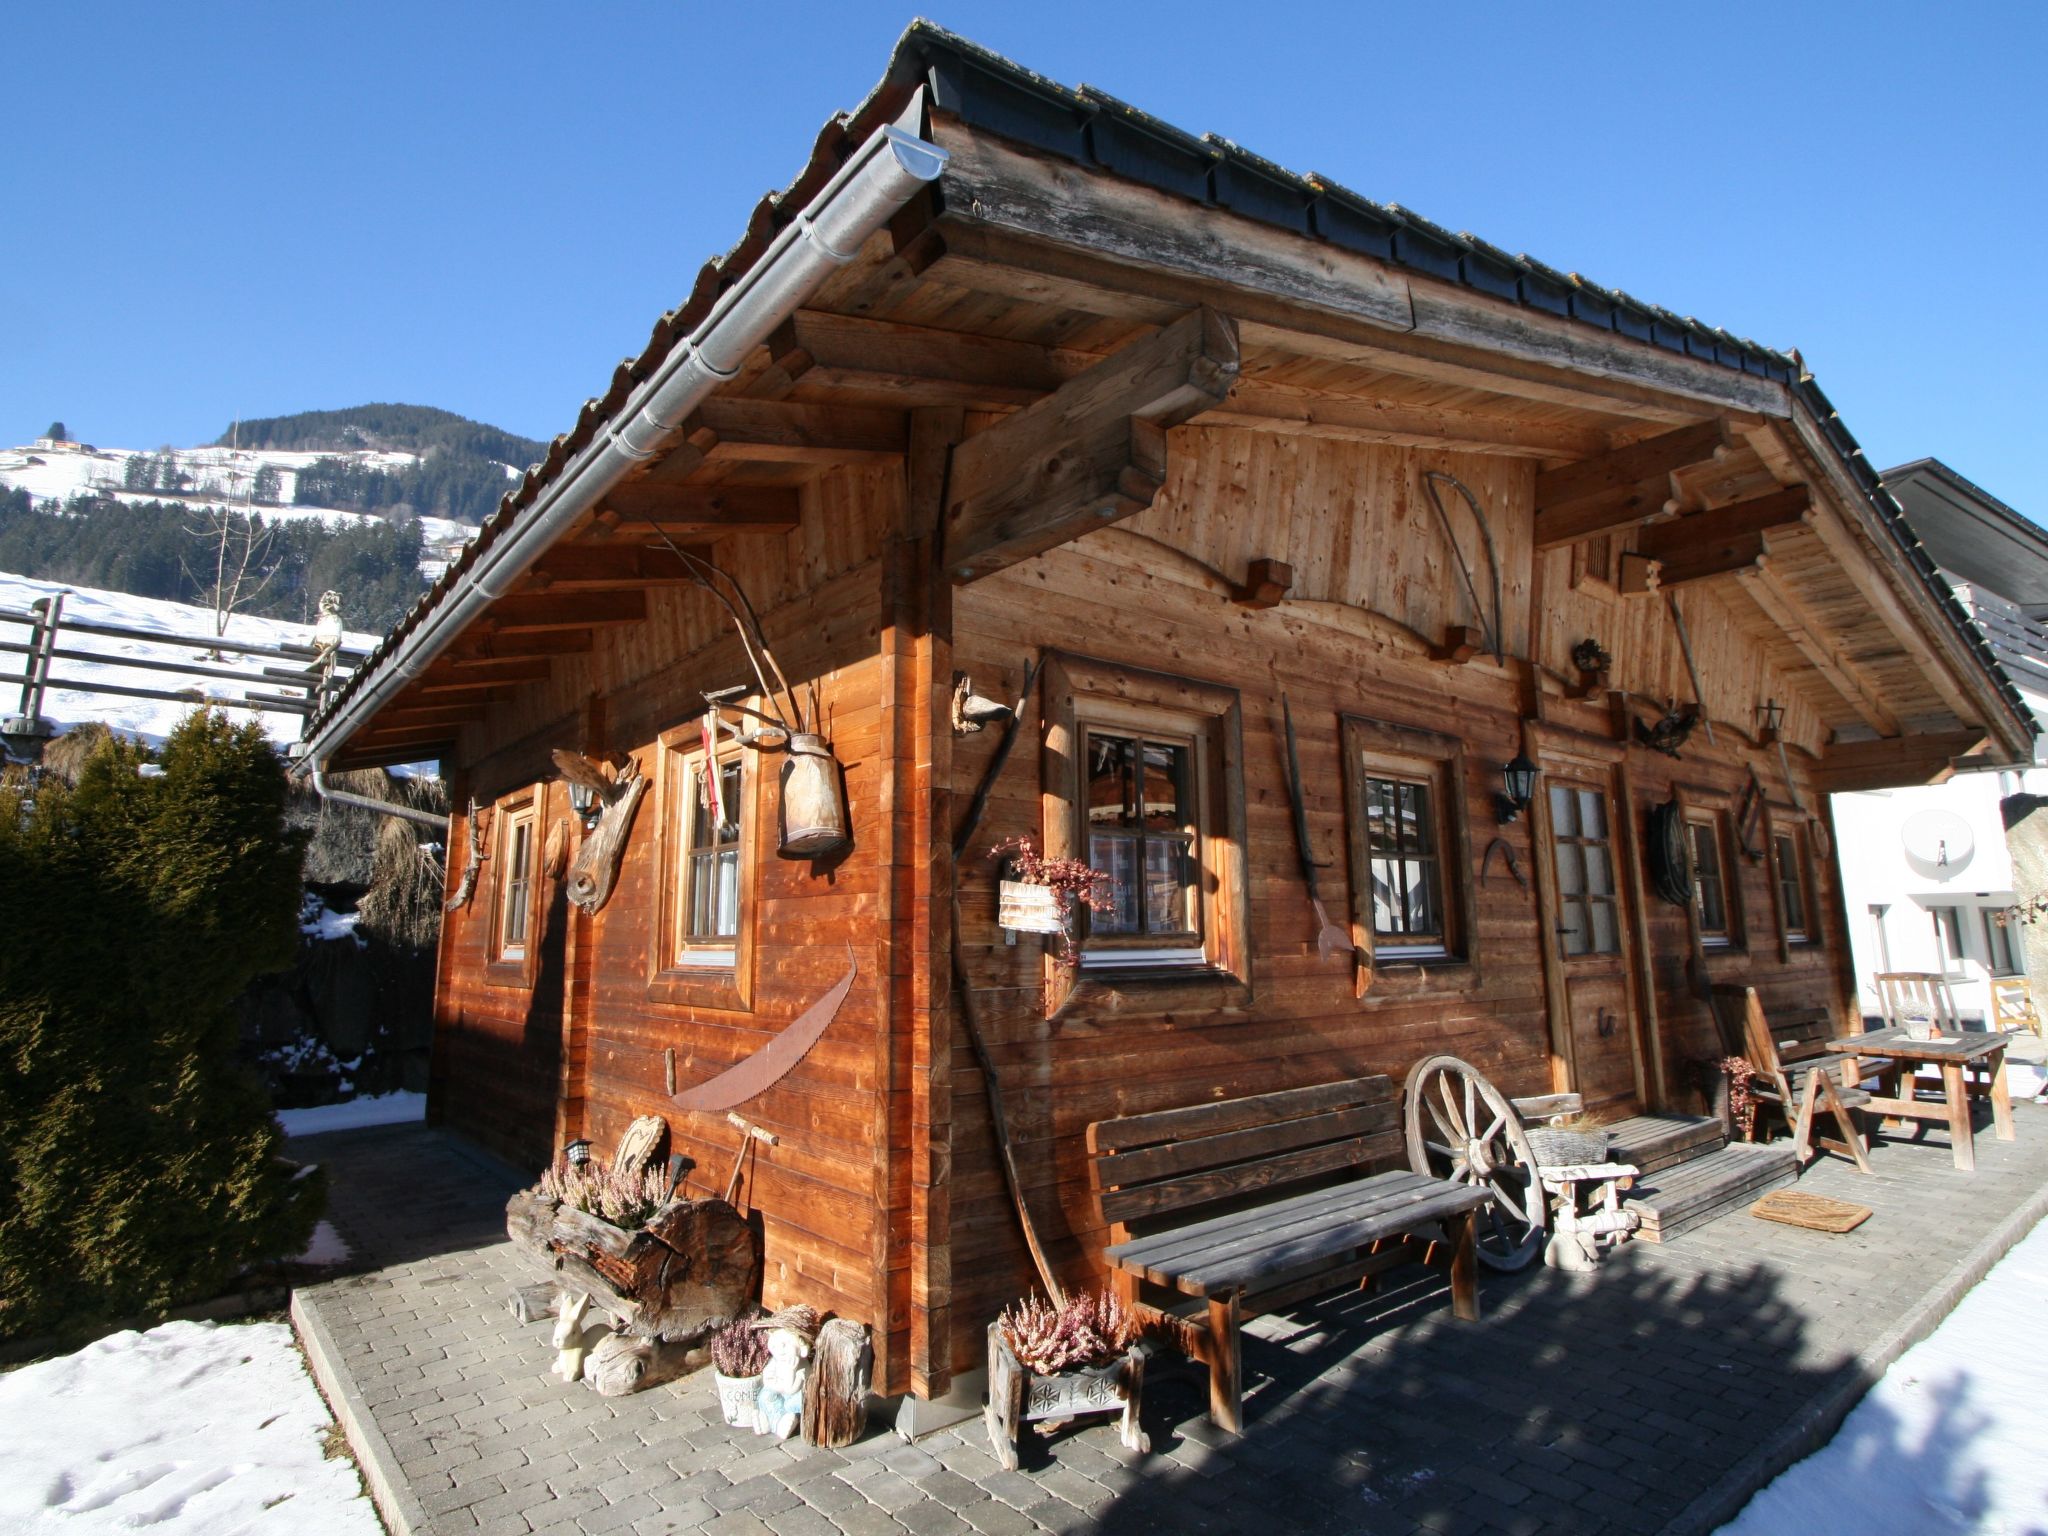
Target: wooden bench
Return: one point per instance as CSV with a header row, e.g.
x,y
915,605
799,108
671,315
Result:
x,y
1250,1204
1795,1072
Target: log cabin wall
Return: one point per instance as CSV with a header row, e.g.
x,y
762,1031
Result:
x,y
1374,588
512,1075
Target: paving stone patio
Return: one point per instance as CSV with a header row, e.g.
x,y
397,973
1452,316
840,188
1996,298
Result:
x,y
1652,1396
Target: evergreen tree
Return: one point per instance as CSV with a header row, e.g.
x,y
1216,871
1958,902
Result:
x,y
56,433
138,1162
268,490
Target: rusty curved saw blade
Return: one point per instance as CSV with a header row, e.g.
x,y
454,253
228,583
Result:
x,y
771,1063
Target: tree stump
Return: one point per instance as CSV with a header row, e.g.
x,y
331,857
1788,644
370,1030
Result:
x,y
836,1394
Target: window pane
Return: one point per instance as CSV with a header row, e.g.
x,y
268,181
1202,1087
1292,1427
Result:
x,y
1606,938
1167,870
1592,813
1709,900
1166,787
1112,787
1382,827
1571,875
1599,871
1573,927
1564,818
700,808
729,786
1117,857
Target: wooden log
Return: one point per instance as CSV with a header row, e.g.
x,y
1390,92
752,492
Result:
x,y
625,1363
532,1303
597,862
695,1266
836,1393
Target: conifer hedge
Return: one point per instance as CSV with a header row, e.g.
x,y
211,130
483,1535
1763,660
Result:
x,y
138,1161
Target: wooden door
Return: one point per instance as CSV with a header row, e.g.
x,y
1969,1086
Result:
x,y
1591,930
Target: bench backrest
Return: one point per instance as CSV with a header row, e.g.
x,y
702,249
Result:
x,y
1913,996
1788,1037
1174,1162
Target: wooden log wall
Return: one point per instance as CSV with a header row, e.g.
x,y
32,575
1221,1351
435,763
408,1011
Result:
x,y
1374,591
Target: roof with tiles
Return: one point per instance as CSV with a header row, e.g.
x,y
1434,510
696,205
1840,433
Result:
x,y
995,95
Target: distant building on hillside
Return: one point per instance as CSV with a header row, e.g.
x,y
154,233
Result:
x,y
1927,870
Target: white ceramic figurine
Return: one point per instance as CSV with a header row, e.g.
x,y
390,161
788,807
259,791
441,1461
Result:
x,y
791,1333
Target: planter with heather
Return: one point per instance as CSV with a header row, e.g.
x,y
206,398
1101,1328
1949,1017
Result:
x,y
1050,1363
739,1353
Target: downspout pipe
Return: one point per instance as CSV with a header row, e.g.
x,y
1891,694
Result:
x,y
318,768
875,182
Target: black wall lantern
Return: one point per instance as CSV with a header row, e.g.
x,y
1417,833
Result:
x,y
1518,788
583,801
578,1152
1771,715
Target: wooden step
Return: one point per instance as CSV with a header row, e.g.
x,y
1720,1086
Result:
x,y
1685,1195
1653,1142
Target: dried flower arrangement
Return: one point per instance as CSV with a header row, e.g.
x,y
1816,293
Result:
x,y
1091,1328
739,1349
596,1189
1741,1101
1075,883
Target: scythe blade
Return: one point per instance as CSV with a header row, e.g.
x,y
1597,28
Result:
x,y
772,1062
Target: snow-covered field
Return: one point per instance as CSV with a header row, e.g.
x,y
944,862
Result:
x,y
54,475
1953,1439
190,1429
149,719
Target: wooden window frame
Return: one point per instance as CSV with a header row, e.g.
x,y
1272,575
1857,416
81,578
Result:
x,y
723,976
1080,693
1807,934
1715,808
1380,749
522,808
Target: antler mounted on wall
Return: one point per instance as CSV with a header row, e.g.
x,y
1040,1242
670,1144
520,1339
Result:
x,y
619,790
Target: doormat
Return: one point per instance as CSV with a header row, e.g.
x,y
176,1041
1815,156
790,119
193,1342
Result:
x,y
1817,1212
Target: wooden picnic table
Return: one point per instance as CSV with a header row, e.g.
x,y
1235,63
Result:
x,y
1957,1055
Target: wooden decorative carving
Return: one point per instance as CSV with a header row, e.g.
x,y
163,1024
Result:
x,y
597,864
554,853
1265,583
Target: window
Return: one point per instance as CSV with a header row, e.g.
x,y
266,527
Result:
x,y
515,881
1999,948
1407,842
709,906
1589,918
1144,834
701,944
1791,871
1710,904
1948,934
1140,775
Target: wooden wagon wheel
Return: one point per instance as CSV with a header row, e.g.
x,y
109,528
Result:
x,y
1461,1128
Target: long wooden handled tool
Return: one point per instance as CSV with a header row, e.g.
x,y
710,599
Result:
x,y
1330,938
749,1134
1691,667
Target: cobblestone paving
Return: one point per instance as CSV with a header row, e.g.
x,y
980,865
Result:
x,y
1589,1404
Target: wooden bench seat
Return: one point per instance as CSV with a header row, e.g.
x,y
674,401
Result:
x,y
1795,1071
1250,1204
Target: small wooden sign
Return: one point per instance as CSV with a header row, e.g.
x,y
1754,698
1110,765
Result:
x,y
1028,908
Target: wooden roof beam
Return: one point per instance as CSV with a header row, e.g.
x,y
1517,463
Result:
x,y
916,365
1370,421
769,431
1624,488
1894,762
1703,559
482,645
407,716
607,567
536,612
1679,538
1791,616
648,506
1087,455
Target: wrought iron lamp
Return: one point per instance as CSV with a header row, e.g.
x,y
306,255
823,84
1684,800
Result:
x,y
583,801
1771,716
1518,788
578,1152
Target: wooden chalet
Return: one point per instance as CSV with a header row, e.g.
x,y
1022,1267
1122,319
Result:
x,y
1013,374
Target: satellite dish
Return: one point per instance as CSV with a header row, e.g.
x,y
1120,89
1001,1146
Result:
x,y
1939,844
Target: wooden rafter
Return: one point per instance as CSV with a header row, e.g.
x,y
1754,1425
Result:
x,y
1623,488
780,432
530,612
1702,559
483,644
603,567
1685,538
1087,455
1893,763
916,365
1784,609
647,506
1370,421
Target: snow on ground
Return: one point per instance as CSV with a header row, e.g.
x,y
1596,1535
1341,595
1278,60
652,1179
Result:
x,y
190,1429
149,719
384,1109
325,1247
1953,1439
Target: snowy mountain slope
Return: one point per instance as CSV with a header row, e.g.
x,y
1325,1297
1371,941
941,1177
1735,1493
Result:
x,y
149,719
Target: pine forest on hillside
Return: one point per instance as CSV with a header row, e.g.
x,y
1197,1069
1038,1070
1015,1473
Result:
x,y
152,550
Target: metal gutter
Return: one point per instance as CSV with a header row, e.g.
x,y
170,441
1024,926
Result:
x,y
877,179
318,766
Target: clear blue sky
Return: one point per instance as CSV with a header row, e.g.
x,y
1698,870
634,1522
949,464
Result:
x,y
218,210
